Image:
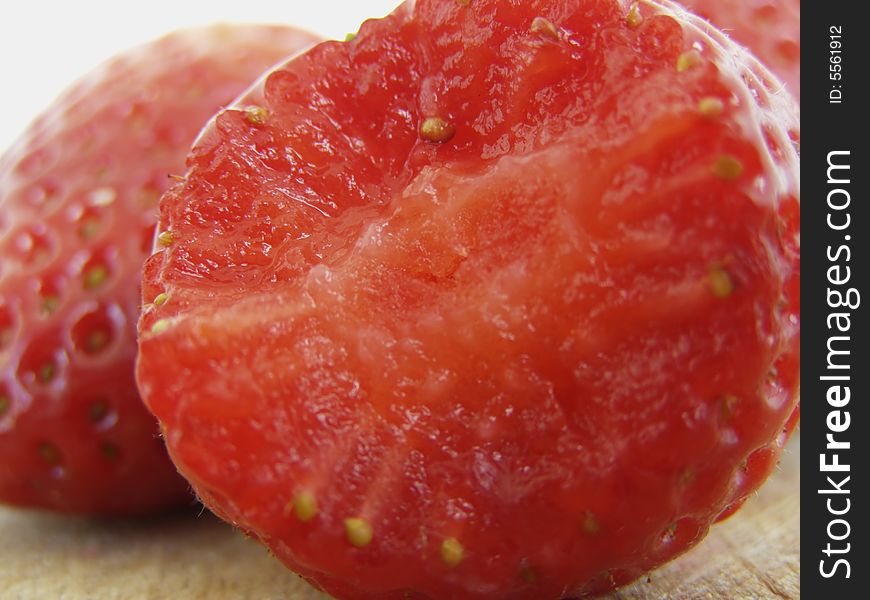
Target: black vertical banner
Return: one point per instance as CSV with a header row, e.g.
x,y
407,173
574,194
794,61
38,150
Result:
x,y
835,370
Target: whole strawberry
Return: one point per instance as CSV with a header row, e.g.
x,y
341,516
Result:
x,y
497,300
78,196
770,28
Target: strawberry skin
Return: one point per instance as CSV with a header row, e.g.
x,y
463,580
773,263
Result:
x,y
497,300
78,196
770,28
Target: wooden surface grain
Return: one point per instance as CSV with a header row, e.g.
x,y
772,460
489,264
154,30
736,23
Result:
x,y
753,555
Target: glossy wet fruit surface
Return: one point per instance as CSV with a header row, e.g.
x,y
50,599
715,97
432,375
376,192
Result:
x,y
496,300
78,197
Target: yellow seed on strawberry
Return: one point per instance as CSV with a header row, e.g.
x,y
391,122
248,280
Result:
x,y
256,115
688,60
436,130
452,552
544,28
359,531
720,282
728,168
687,475
165,238
160,326
48,305
89,229
96,341
590,524
95,276
711,107
304,505
728,403
634,17
46,372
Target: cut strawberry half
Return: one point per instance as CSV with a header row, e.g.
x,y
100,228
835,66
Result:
x,y
496,300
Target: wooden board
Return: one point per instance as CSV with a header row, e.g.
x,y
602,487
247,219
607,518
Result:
x,y
753,555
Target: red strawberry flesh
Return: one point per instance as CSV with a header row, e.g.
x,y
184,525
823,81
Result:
x,y
497,300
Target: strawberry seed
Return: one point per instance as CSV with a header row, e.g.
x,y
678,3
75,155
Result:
x,y
359,531
452,552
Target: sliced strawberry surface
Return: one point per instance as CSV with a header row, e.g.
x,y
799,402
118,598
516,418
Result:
x,y
497,300
770,28
78,196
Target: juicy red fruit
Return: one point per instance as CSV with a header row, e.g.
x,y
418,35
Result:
x,y
497,300
78,196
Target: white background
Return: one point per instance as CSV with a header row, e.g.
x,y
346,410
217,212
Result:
x,y
45,46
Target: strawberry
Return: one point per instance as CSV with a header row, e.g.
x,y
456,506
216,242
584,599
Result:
x,y
770,28
78,197
498,299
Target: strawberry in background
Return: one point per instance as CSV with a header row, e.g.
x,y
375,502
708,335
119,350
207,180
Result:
x,y
78,197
